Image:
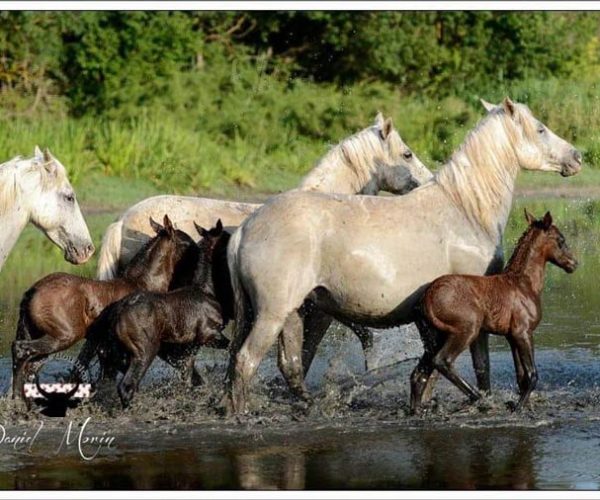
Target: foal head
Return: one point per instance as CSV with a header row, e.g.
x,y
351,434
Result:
x,y
213,252
535,145
156,262
550,242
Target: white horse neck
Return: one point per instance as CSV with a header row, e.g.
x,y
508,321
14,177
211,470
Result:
x,y
480,176
348,168
14,215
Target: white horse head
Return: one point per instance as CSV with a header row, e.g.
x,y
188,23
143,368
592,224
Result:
x,y
372,160
536,146
398,170
39,187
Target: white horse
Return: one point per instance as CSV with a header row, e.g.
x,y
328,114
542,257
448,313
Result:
x,y
371,160
38,190
367,259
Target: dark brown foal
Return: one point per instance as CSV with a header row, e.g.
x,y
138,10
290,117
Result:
x,y
57,310
456,308
174,325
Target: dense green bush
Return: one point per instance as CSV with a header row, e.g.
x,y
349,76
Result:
x,y
193,101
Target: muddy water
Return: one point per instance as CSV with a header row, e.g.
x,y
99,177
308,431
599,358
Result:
x,y
358,433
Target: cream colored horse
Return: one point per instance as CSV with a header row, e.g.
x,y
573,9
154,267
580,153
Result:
x,y
37,190
367,259
367,162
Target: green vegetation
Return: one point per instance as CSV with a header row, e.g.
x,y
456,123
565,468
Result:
x,y
196,102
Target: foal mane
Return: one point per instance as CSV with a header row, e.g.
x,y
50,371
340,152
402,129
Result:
x,y
522,250
31,174
138,264
480,175
350,164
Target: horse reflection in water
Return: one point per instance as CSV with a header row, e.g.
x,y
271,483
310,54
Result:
x,y
400,459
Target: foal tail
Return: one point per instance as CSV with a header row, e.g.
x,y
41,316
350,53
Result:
x,y
108,261
24,326
241,304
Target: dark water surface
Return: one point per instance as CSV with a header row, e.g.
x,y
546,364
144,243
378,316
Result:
x,y
358,438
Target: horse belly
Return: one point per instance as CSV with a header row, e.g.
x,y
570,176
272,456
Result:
x,y
375,285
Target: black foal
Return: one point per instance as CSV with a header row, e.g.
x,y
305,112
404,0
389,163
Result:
x,y
172,325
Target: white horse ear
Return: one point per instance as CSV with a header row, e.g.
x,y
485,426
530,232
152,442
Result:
x,y
489,107
47,155
509,106
386,129
379,119
37,153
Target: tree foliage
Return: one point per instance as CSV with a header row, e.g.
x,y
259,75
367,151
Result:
x,y
97,62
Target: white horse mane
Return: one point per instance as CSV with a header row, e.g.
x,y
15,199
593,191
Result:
x,y
480,175
352,161
29,173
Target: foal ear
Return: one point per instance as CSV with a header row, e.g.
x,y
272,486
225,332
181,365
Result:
x,y
168,225
547,220
387,128
509,107
156,227
201,231
529,218
219,227
489,107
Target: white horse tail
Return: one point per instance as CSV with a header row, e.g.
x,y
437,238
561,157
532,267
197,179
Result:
x,y
242,311
108,261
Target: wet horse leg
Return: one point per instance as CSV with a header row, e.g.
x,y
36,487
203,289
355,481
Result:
x,y
519,370
315,325
427,335
524,344
137,368
480,355
26,351
263,335
290,355
419,379
444,360
424,375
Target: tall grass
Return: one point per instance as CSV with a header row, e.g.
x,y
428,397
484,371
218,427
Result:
x,y
236,126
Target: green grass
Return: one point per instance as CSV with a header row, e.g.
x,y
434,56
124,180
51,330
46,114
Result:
x,y
236,130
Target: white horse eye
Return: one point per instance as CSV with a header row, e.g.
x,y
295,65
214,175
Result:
x,y
541,130
70,197
408,155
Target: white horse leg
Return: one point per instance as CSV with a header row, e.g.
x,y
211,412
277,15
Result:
x,y
315,325
262,336
290,355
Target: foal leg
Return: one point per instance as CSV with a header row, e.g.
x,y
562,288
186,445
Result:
x,y
480,355
519,370
290,356
137,368
26,351
524,344
444,359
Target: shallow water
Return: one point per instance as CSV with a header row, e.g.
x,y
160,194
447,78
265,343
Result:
x,y
358,433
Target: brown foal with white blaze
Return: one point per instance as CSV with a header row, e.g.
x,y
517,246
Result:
x,y
457,308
